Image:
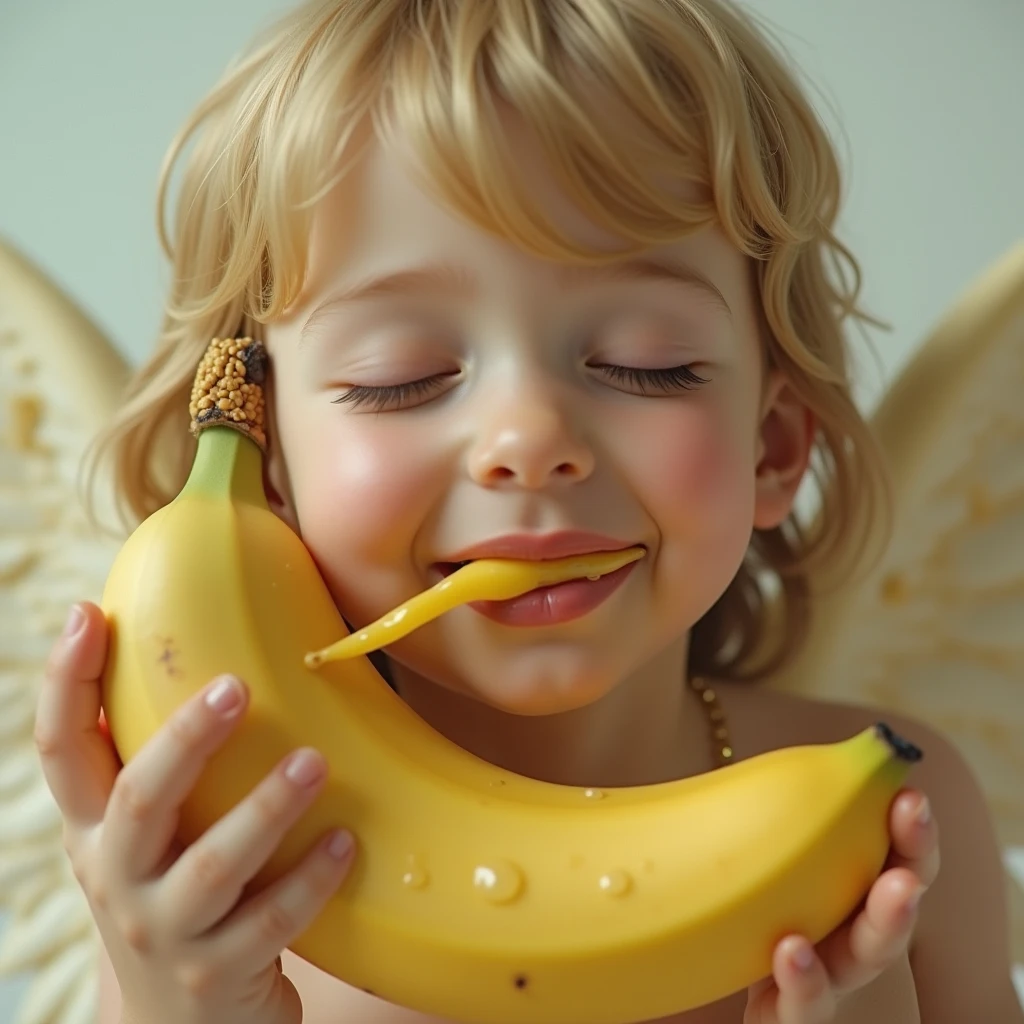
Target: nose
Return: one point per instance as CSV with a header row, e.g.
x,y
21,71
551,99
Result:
x,y
527,441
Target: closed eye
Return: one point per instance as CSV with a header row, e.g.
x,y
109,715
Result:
x,y
669,378
383,396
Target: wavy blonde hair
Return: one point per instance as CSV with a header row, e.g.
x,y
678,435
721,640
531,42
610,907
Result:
x,y
707,100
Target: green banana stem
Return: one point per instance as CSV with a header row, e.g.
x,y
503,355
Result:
x,y
228,466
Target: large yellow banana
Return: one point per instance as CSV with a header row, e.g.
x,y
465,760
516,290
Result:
x,y
478,895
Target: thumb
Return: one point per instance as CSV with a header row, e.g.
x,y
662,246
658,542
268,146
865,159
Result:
x,y
81,650
78,762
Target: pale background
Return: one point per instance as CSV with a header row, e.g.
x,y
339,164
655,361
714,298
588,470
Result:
x,y
929,94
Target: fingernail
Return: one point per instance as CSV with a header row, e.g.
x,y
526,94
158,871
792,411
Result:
x,y
340,845
225,696
304,767
803,957
924,811
76,620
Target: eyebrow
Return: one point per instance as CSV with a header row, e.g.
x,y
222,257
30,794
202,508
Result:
x,y
459,282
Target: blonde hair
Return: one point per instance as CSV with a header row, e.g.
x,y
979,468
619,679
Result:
x,y
707,101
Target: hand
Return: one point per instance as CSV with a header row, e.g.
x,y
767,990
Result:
x,y
185,940
876,936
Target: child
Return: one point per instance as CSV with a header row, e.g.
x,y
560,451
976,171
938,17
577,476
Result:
x,y
536,277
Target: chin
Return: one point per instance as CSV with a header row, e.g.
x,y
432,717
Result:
x,y
548,679
536,696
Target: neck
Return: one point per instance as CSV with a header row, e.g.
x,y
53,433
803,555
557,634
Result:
x,y
650,728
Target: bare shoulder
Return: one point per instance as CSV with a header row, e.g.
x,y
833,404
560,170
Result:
x,y
764,719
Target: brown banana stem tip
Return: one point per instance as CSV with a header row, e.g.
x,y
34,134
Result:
x,y
227,390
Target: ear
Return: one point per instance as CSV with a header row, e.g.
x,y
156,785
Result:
x,y
784,443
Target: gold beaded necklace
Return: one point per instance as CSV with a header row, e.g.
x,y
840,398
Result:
x,y
721,743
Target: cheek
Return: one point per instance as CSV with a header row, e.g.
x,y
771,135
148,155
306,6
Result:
x,y
699,471
697,484
361,496
357,493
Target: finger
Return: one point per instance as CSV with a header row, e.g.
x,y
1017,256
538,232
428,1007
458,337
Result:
x,y
208,879
860,950
77,762
762,1002
805,989
148,793
915,836
258,930
798,990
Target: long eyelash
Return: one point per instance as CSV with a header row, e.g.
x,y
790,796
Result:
x,y
680,377
381,396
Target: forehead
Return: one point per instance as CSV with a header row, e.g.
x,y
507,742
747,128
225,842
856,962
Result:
x,y
384,216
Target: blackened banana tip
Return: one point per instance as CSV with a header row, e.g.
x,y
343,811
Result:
x,y
903,749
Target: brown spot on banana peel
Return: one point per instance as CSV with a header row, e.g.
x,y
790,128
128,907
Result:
x,y
167,656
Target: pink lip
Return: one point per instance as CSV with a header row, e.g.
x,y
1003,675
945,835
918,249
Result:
x,y
538,546
550,606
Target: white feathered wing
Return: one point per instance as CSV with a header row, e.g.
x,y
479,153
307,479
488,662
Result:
x,y
59,380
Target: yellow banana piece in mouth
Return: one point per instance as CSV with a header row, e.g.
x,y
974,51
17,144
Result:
x,y
488,579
